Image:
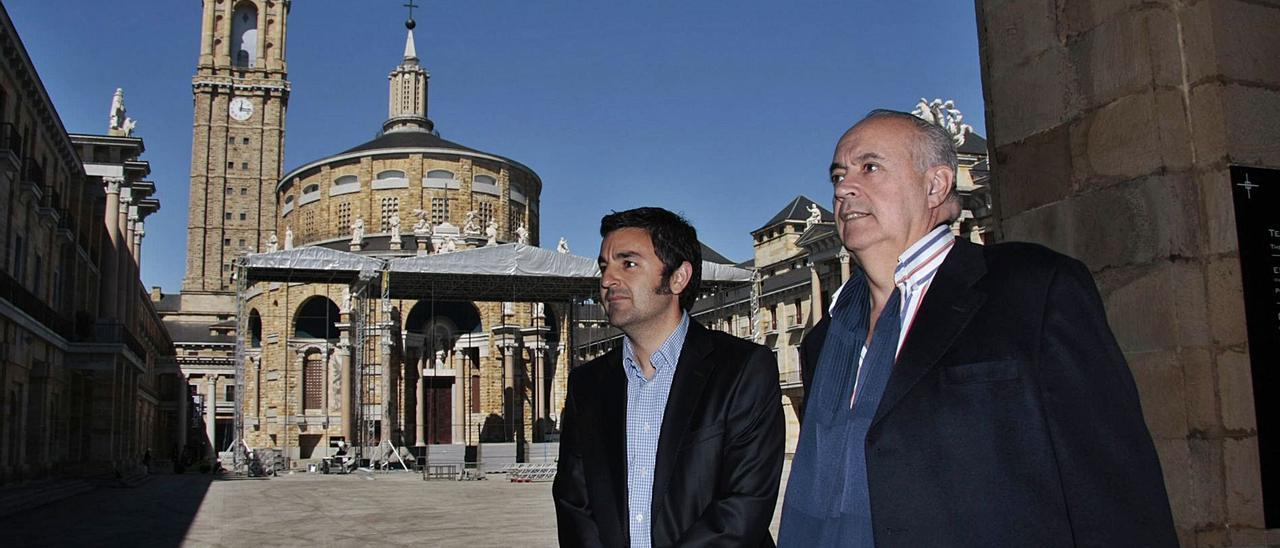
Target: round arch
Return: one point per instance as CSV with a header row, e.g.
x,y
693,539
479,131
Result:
x,y
255,328
317,318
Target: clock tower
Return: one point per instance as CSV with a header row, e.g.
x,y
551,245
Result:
x,y
237,147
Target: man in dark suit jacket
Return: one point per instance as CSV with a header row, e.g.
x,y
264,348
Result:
x,y
1007,416
677,437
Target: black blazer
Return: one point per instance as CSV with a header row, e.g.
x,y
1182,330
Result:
x,y
719,453
1010,417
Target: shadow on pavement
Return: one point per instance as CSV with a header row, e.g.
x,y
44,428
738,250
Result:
x,y
157,513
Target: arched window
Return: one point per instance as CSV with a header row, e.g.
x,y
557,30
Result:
x,y
310,193
313,381
391,178
485,184
255,328
316,319
244,36
440,178
346,180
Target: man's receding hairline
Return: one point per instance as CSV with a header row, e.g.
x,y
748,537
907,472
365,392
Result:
x,y
919,148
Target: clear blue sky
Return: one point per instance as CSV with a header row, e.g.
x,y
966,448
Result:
x,y
721,110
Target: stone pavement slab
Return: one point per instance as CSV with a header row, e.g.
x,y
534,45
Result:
x,y
361,509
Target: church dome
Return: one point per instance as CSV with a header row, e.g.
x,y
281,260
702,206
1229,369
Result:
x,y
408,184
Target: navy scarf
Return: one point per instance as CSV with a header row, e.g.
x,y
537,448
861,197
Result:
x,y
827,501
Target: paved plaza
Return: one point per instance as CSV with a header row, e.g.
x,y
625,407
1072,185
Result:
x,y
362,509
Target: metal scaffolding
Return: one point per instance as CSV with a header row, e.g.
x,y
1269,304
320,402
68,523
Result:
x,y
507,273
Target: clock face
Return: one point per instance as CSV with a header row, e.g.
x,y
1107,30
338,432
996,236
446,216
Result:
x,y
240,108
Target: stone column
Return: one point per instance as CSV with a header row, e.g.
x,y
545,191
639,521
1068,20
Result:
x,y
539,368
138,234
124,259
513,388
107,288
211,412
184,415
815,295
843,255
459,363
420,429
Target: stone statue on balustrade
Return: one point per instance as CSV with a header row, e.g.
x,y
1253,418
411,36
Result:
x,y
272,243
491,233
563,246
394,223
288,238
421,228
472,224
357,231
522,235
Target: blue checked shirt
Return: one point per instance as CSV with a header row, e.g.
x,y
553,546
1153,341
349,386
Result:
x,y
646,402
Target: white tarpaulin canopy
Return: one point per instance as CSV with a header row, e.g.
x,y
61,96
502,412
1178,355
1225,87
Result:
x,y
501,260
509,272
310,263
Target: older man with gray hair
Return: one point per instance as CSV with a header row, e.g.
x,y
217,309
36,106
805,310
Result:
x,y
958,394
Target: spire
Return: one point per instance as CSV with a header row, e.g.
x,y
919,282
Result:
x,y
407,110
410,51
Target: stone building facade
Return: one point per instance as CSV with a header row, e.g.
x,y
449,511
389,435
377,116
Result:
x,y
88,383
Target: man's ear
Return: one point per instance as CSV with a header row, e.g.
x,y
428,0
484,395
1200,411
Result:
x,y
680,278
941,179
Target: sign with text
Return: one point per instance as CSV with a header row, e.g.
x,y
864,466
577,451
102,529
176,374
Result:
x,y
1256,194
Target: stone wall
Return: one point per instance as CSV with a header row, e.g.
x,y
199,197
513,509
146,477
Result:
x,y
1112,124
331,215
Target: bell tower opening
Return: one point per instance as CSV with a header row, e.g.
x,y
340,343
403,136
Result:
x,y
244,36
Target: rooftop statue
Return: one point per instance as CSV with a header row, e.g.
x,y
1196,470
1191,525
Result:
x,y
423,226
357,231
472,224
491,232
815,216
944,114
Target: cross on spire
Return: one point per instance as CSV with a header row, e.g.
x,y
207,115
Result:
x,y
411,5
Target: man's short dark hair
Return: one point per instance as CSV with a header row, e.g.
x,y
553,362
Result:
x,y
674,240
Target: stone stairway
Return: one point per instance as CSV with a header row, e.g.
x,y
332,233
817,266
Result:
x,y
39,493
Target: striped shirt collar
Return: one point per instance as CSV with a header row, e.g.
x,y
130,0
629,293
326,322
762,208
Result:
x,y
918,263
667,354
